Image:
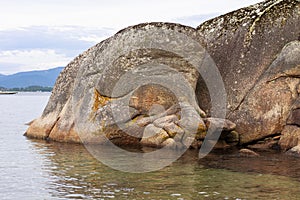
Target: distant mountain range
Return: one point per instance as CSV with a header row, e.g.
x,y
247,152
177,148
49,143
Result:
x,y
44,78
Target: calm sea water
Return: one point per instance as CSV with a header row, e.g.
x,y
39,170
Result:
x,y
31,169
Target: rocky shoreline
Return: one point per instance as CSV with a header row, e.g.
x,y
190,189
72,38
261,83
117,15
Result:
x,y
141,87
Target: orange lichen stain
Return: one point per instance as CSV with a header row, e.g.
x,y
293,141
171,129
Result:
x,y
201,127
99,100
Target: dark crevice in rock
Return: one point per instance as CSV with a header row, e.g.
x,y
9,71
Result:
x,y
284,76
292,124
148,120
252,87
250,90
50,130
261,139
260,78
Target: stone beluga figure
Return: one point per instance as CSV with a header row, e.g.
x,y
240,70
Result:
x,y
135,88
164,84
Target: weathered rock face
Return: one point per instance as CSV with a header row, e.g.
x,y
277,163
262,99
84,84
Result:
x,y
60,99
257,53
143,81
133,88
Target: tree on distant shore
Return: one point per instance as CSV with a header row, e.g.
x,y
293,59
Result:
x,y
34,88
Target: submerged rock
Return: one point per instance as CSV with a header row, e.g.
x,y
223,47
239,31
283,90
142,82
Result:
x,y
267,144
247,153
143,79
295,151
127,88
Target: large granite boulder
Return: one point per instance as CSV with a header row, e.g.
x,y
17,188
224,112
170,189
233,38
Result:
x,y
135,88
141,86
257,52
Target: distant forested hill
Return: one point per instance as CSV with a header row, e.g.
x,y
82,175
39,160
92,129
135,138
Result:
x,y
43,78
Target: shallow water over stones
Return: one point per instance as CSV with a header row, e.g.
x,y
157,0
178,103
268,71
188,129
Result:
x,y
34,169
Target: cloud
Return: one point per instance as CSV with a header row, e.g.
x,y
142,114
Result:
x,y
42,47
195,20
92,38
114,13
52,32
26,60
65,37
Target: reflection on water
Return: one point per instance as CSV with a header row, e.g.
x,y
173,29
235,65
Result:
x,y
74,173
31,169
269,162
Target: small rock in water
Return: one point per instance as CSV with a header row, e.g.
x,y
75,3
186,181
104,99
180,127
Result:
x,y
202,192
295,151
108,192
175,195
247,153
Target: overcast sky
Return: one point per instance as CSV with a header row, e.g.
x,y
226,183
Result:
x,y
43,34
